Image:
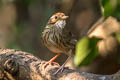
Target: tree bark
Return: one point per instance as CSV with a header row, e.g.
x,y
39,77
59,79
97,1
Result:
x,y
19,65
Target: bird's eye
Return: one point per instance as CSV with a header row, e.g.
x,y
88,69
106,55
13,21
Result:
x,y
56,17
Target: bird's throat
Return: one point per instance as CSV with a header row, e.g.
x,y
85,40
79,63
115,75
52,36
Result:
x,y
60,23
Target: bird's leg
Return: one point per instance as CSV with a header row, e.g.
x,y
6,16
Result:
x,y
62,67
51,60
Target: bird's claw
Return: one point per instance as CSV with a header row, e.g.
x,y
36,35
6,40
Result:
x,y
52,63
59,70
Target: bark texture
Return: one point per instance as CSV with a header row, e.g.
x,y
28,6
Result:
x,y
19,65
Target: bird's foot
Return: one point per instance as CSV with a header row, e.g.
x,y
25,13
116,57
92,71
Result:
x,y
61,68
49,62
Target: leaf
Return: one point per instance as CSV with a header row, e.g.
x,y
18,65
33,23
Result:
x,y
118,37
111,8
86,51
117,11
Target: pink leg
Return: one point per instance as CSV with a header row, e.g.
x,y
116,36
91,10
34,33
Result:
x,y
51,60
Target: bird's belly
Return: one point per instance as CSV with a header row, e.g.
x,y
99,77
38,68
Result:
x,y
55,49
52,43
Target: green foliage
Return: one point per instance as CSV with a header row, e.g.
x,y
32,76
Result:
x,y
86,51
111,8
118,37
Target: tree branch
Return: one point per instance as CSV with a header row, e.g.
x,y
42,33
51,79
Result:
x,y
19,65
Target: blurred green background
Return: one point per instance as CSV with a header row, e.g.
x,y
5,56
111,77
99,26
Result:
x,y
22,21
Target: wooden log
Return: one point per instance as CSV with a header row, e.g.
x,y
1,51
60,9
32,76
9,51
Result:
x,y
19,65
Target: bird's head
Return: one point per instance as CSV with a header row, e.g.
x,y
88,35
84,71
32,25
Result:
x,y
57,17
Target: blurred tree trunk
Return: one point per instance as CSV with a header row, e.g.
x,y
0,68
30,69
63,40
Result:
x,y
7,19
82,15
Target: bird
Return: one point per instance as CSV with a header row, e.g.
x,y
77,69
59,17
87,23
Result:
x,y
57,39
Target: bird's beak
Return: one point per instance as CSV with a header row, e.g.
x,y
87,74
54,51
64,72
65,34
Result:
x,y
65,17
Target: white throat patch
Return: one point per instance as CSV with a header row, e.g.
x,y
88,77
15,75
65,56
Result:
x,y
61,23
